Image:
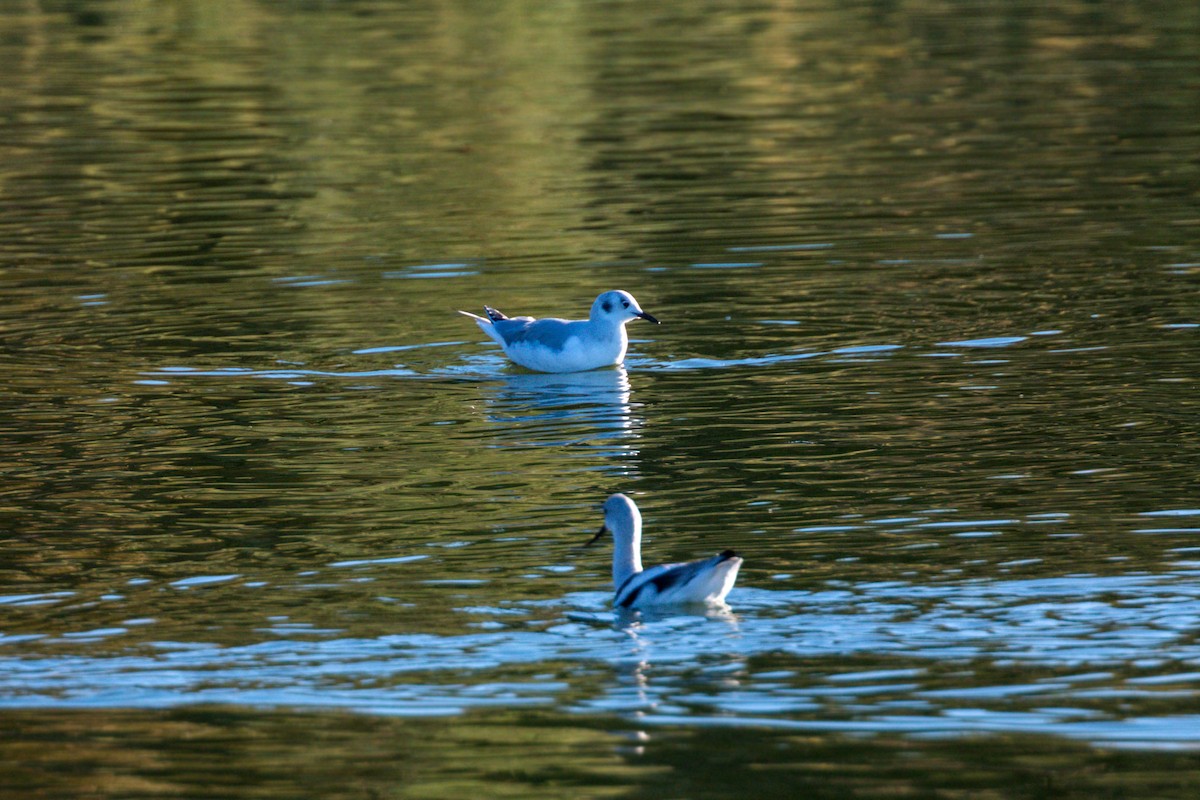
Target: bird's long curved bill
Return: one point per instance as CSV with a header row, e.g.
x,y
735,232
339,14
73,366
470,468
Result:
x,y
603,530
648,317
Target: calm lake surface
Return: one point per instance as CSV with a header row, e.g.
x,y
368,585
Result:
x,y
278,523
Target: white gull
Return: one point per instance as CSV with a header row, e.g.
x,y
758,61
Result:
x,y
559,345
706,580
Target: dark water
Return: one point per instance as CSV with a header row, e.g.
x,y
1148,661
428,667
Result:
x,y
276,523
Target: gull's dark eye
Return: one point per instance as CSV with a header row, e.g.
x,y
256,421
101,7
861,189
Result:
x,y
625,303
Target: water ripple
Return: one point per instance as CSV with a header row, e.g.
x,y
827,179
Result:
x,y
1063,629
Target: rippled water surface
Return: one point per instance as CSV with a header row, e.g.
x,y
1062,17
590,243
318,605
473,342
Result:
x,y
278,523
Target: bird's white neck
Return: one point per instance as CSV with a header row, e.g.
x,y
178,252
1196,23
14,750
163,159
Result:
x,y
627,555
604,327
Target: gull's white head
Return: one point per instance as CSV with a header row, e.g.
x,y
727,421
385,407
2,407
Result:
x,y
618,307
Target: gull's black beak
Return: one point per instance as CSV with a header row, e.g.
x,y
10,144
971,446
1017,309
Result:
x,y
647,317
603,530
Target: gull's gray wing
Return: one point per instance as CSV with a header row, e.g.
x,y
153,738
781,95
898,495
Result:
x,y
550,333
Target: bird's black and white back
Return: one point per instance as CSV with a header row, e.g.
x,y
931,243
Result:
x,y
706,580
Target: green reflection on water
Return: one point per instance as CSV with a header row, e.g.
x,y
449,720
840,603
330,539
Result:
x,y
230,753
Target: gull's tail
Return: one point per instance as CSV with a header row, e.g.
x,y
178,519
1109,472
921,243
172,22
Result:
x,y
486,323
475,317
492,315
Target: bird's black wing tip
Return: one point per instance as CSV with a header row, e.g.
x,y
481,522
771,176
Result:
x,y
728,554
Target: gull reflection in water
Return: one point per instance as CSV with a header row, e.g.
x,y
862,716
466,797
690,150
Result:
x,y
531,409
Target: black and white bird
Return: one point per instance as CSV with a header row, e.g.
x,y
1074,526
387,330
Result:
x,y
707,580
559,345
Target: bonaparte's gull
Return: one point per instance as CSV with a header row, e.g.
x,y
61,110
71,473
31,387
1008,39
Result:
x,y
707,580
558,345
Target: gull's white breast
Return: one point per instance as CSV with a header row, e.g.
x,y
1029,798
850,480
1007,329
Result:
x,y
576,354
